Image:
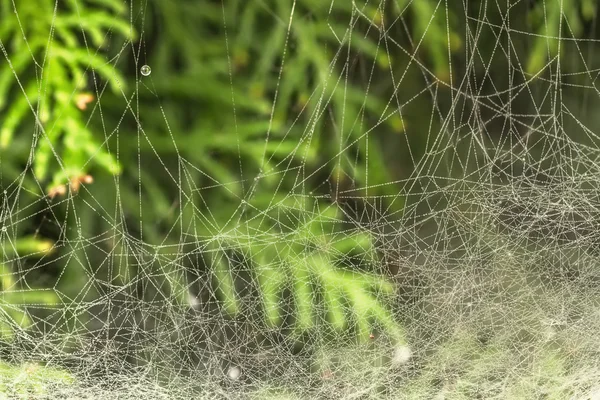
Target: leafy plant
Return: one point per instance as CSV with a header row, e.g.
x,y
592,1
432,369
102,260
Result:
x,y
553,20
295,66
307,250
260,108
49,69
226,153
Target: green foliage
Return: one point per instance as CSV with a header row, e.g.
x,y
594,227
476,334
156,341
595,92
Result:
x,y
553,20
431,31
12,293
32,380
260,109
299,61
307,250
49,68
309,85
54,54
266,168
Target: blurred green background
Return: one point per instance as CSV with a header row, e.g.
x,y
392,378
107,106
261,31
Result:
x,y
255,152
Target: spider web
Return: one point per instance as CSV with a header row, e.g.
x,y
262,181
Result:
x,y
420,223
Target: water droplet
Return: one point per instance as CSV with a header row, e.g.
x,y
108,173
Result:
x,y
145,70
193,301
401,355
234,373
3,229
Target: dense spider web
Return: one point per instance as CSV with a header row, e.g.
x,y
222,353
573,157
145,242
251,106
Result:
x,y
492,257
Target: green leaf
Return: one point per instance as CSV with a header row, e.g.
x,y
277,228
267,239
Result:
x,y
300,258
